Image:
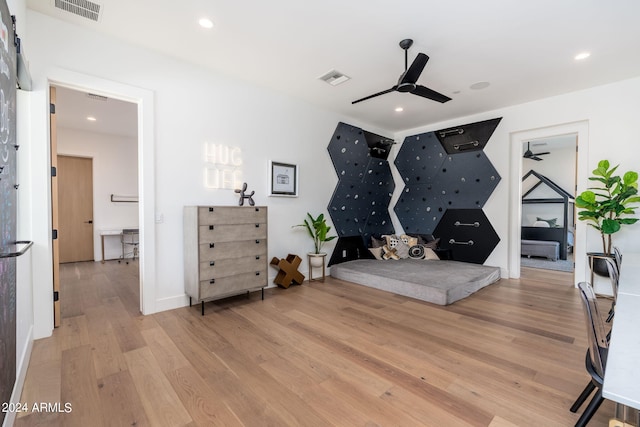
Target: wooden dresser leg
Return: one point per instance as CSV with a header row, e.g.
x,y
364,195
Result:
x,y
202,308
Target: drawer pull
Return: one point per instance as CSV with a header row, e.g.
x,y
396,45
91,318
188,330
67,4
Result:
x,y
257,273
212,263
257,241
210,209
211,245
212,281
257,225
257,256
257,209
211,227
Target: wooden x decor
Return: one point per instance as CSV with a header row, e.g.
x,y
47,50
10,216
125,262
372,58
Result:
x,y
288,271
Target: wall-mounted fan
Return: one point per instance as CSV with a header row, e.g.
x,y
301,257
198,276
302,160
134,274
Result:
x,y
408,79
533,156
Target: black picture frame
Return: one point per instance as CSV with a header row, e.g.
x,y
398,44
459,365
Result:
x,y
283,179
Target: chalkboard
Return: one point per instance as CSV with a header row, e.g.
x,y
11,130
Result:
x,y
8,208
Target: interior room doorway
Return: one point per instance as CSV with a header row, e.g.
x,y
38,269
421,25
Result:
x,y
96,151
548,209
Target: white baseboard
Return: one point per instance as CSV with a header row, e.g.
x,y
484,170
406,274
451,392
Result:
x,y
21,374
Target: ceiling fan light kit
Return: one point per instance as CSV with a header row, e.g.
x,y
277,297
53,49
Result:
x,y
407,80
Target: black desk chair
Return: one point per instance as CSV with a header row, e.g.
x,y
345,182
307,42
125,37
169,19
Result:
x,y
596,358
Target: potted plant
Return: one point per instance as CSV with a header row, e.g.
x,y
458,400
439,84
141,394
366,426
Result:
x,y
319,232
606,207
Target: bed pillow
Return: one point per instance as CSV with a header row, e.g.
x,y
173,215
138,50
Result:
x,y
377,242
552,222
431,244
389,253
409,240
431,254
401,249
416,252
376,252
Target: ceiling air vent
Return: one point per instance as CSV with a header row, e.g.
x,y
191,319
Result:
x,y
334,78
97,97
83,8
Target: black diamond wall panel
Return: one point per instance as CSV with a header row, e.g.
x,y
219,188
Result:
x,y
360,203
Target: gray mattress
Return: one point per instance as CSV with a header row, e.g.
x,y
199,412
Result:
x,y
438,282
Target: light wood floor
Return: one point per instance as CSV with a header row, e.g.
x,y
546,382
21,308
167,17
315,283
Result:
x,y
323,354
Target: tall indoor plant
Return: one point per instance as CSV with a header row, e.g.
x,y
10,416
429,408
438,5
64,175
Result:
x,y
319,232
606,206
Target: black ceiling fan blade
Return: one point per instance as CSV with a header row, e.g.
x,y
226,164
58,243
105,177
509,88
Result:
x,y
425,92
374,95
412,74
536,158
542,154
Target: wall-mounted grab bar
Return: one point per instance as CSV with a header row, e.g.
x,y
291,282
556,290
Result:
x,y
466,145
449,132
124,199
453,242
462,224
22,251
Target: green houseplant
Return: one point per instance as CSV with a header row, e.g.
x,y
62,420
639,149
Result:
x,y
606,206
318,230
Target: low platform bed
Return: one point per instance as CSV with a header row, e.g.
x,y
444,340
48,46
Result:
x,y
436,281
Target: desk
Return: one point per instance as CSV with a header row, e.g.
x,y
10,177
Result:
x,y
104,233
622,376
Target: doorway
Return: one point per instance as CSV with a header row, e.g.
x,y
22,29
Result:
x,y
97,157
548,209
581,130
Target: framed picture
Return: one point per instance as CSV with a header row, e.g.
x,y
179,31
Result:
x,y
283,179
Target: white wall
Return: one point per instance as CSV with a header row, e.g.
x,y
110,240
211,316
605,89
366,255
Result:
x,y
193,106
115,171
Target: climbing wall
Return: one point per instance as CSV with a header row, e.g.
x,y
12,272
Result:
x,y
360,203
448,179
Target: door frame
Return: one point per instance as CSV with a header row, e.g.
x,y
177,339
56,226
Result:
x,y
516,139
144,98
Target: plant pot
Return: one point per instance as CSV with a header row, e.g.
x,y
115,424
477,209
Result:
x,y
316,260
598,264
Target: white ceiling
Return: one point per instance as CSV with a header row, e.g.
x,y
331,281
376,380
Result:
x,y
112,116
524,49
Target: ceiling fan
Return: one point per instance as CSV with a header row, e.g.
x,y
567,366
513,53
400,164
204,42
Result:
x,y
408,79
533,156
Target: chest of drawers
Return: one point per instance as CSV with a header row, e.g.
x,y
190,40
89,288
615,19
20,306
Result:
x,y
225,251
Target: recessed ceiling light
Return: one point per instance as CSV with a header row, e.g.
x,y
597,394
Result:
x,y
479,85
582,55
91,118
399,109
205,23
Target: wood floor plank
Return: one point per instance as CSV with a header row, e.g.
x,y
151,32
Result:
x,y
159,399
321,354
120,402
195,395
79,387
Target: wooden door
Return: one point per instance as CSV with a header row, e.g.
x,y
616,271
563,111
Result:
x,y
54,205
75,207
